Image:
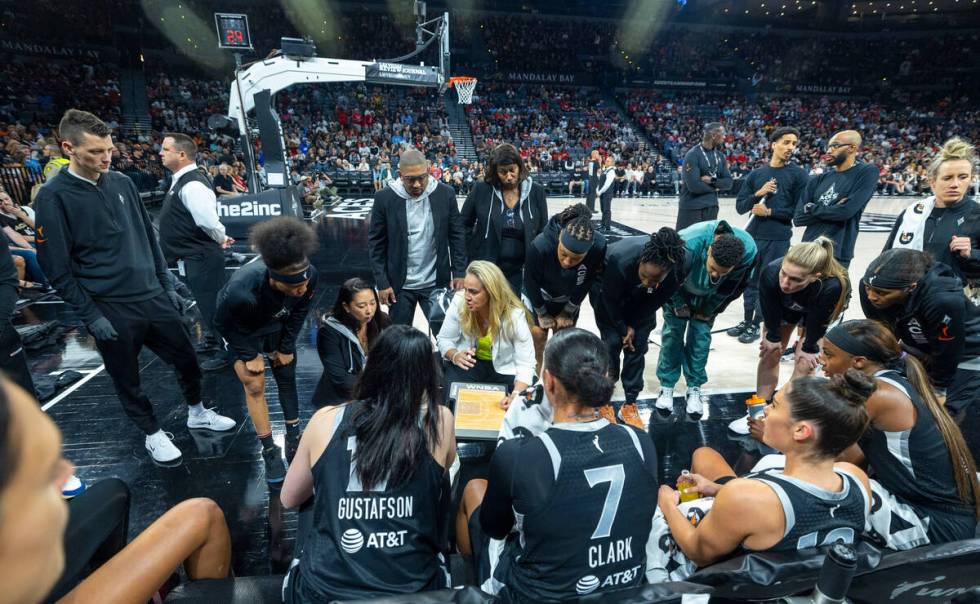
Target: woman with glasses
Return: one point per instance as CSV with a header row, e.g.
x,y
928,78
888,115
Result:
x,y
503,214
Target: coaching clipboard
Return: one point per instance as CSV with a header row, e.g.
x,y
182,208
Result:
x,y
478,412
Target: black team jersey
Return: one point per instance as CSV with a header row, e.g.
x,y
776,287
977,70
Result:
x,y
816,517
915,466
581,497
366,544
814,304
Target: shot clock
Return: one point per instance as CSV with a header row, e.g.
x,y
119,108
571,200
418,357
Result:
x,y
233,31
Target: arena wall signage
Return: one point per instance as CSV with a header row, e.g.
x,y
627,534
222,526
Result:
x,y
818,89
542,78
48,50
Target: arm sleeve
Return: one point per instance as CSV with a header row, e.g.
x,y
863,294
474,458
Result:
x,y
692,176
594,269
818,315
771,302
163,273
224,319
944,324
859,197
378,242
804,215
725,180
613,297
532,280
297,316
497,509
54,254
746,196
467,215
201,202
457,240
449,333
333,362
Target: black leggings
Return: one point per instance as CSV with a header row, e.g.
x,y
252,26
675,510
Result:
x,y
98,524
285,376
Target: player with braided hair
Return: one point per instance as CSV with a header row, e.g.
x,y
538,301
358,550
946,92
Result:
x,y
560,267
641,274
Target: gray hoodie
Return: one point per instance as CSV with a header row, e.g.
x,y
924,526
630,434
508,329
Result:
x,y
421,264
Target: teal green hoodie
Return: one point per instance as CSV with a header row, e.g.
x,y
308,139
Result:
x,y
699,293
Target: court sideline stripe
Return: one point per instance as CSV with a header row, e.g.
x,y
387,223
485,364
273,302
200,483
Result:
x,y
72,388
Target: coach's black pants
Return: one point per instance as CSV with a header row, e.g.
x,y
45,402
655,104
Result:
x,y
633,360
205,276
686,218
402,312
767,251
155,324
605,204
13,361
98,526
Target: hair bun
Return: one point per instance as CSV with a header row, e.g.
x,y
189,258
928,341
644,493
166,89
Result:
x,y
957,148
854,386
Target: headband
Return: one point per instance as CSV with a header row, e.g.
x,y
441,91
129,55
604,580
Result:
x,y
573,245
880,281
852,345
291,278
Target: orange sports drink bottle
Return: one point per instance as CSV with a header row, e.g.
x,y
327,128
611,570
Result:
x,y
756,405
685,482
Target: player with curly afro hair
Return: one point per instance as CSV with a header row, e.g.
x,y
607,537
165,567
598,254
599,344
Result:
x,y
260,313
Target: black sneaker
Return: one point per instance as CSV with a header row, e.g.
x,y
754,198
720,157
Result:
x,y
738,329
275,470
751,334
292,444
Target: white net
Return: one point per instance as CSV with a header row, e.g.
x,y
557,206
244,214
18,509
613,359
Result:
x,y
464,90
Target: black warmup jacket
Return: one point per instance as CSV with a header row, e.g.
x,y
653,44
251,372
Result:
x,y
545,279
388,238
813,304
250,309
961,220
481,220
96,242
938,323
617,296
343,360
697,194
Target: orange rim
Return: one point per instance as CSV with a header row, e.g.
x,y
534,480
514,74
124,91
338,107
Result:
x,y
460,79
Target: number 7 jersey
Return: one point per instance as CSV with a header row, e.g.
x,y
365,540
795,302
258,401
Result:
x,y
588,532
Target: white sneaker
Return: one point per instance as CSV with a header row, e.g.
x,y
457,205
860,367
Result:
x,y
695,401
161,449
665,400
209,420
73,486
740,426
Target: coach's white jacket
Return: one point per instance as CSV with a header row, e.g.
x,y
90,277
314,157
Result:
x,y
510,356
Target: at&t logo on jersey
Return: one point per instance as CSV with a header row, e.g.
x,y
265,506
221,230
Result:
x,y
625,578
352,541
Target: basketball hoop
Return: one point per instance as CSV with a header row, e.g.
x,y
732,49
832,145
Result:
x,y
465,85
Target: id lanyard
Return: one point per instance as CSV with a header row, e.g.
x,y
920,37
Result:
x,y
712,169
